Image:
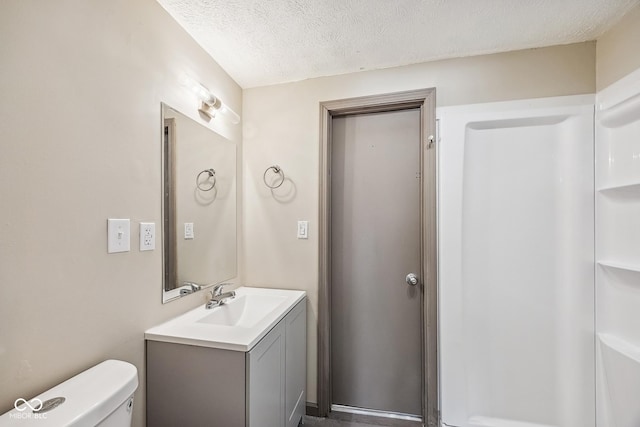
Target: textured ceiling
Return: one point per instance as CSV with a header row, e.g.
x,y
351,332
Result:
x,y
263,42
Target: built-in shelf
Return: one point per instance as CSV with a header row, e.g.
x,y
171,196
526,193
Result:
x,y
617,238
622,114
620,362
620,266
621,346
626,190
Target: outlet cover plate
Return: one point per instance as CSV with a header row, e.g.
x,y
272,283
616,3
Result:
x,y
147,236
188,231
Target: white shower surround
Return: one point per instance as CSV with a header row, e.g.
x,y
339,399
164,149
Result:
x,y
516,247
618,252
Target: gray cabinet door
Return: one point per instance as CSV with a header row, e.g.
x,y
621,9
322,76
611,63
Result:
x,y
296,363
194,386
266,380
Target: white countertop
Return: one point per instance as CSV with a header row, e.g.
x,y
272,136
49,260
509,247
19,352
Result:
x,y
192,328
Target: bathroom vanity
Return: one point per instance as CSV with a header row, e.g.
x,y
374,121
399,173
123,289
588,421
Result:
x,y
239,364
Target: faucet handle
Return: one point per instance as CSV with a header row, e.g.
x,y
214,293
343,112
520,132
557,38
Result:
x,y
189,288
194,286
217,289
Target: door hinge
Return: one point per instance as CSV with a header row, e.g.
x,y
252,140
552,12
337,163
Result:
x,y
434,419
430,141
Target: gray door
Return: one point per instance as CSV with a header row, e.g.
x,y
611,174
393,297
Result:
x,y
375,242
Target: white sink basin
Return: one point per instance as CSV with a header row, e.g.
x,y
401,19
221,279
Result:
x,y
243,311
237,325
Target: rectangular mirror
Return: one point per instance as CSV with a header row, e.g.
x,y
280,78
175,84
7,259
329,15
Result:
x,y
198,206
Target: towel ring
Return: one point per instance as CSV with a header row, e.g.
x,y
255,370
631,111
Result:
x,y
277,170
201,186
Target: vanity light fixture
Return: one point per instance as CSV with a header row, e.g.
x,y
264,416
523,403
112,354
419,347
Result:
x,y
211,105
214,106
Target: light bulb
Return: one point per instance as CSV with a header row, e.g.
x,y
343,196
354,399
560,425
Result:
x,y
229,114
211,105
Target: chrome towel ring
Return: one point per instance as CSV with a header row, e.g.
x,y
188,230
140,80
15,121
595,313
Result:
x,y
201,185
277,170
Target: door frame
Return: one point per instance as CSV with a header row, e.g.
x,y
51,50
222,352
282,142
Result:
x,y
425,100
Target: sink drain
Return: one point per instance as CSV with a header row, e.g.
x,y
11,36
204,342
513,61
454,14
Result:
x,y
50,404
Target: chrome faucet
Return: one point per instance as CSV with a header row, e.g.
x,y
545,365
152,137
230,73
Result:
x,y
218,297
189,288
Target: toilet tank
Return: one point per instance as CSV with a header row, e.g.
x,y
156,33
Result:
x,y
100,396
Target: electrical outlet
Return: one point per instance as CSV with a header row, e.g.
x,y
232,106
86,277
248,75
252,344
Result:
x,y
147,236
118,235
188,230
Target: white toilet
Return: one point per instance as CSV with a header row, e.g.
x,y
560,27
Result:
x,y
100,396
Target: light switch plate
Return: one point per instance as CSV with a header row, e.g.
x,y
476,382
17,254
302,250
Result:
x,y
118,235
188,230
303,229
147,236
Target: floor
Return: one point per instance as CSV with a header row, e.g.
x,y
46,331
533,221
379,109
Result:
x,y
349,420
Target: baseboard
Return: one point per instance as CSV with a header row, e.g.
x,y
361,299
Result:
x,y
312,409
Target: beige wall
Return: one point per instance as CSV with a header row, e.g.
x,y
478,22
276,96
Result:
x,y
81,84
618,50
281,126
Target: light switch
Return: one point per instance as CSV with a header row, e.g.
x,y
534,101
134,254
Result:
x,y
303,229
118,235
147,236
188,230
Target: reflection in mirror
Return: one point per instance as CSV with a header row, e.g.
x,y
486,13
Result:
x,y
199,206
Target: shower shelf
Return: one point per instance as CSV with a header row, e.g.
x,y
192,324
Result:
x,y
619,266
620,363
622,190
621,346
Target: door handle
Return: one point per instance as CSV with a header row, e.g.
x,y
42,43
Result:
x,y
412,279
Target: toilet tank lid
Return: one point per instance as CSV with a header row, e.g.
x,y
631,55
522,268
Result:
x,y
90,397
